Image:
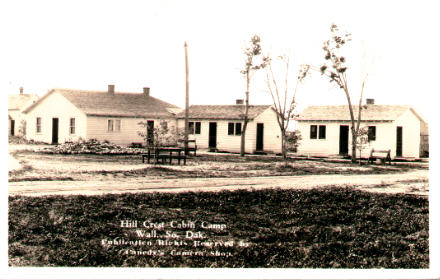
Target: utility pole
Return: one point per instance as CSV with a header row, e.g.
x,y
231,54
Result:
x,y
186,100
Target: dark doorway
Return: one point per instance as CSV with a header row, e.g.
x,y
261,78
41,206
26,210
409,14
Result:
x,y
212,135
55,131
399,142
150,133
12,127
343,139
260,137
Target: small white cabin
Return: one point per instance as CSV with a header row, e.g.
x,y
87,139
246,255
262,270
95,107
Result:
x,y
16,119
219,127
325,130
69,115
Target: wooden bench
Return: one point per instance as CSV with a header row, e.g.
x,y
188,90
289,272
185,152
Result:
x,y
382,155
192,146
164,155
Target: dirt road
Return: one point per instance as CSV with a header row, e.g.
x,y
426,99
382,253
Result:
x,y
411,182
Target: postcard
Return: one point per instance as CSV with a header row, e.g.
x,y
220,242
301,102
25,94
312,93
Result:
x,y
187,139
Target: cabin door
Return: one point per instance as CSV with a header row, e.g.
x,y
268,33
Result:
x,y
399,142
12,127
343,139
55,131
260,137
212,135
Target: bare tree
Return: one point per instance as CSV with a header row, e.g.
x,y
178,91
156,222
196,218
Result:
x,y
335,68
252,52
284,100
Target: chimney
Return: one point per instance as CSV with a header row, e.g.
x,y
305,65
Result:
x,y
111,89
239,101
21,90
147,91
370,101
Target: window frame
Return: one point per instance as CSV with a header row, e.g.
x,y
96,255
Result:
x,y
238,129
114,125
231,128
372,133
72,126
313,131
110,125
38,126
194,128
117,123
234,128
322,132
198,128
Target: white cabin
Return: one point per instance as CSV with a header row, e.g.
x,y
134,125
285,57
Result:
x,y
70,115
326,131
219,127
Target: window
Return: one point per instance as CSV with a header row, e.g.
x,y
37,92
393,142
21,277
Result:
x,y
38,126
234,128
72,126
322,132
313,131
230,128
113,125
198,127
117,125
371,133
110,125
164,125
194,127
237,128
317,132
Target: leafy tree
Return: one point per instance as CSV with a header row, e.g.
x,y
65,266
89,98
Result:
x,y
284,100
22,128
362,141
335,68
161,135
292,140
252,64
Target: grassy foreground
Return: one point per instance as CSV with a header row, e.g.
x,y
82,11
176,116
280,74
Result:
x,y
319,228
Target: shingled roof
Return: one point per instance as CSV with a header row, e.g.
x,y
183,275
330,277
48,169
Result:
x,y
341,113
20,101
102,103
223,112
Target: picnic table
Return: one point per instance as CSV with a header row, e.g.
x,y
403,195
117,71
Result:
x,y
382,155
190,146
165,155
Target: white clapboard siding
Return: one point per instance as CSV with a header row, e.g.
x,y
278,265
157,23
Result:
x,y
97,128
231,143
386,136
55,106
272,139
410,124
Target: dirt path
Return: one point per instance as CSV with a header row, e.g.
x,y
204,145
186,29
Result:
x,y
411,182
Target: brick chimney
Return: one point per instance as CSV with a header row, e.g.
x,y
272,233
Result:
x,y
147,91
111,89
21,90
239,101
370,101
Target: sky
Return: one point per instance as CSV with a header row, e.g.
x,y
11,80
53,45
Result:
x,y
133,44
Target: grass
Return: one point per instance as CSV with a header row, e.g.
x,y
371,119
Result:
x,y
318,228
205,166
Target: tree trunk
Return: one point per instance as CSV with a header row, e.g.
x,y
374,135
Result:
x,y
245,119
243,138
353,145
283,144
